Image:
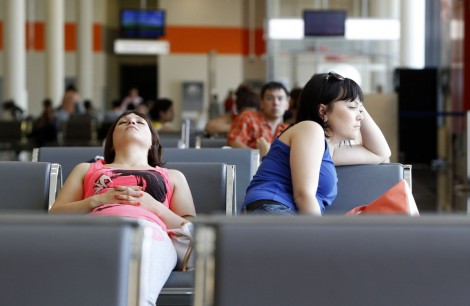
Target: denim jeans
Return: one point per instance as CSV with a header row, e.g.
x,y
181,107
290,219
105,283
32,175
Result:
x,y
268,208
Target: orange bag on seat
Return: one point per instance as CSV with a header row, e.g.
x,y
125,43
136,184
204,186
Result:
x,y
397,200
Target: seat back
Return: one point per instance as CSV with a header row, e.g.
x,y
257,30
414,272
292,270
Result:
x,y
213,189
46,258
67,157
102,129
211,142
246,162
13,134
212,185
28,185
170,142
80,131
178,139
361,184
335,260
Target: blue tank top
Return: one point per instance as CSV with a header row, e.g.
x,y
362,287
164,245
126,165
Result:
x,y
273,180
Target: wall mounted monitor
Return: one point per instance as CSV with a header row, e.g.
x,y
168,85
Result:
x,y
324,22
136,23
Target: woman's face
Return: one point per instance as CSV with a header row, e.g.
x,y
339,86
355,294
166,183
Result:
x,y
344,118
132,127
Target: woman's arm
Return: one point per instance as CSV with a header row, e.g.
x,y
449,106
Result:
x,y
307,144
374,148
70,198
220,124
181,204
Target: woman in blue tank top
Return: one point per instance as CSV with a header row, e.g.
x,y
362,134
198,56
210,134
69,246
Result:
x,y
298,173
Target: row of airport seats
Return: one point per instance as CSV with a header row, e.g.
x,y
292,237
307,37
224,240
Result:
x,y
180,286
245,161
32,187
85,131
333,260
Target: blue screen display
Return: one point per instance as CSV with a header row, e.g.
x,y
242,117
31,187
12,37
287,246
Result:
x,y
142,23
324,22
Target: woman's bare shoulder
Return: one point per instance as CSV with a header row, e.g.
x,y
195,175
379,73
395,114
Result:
x,y
303,129
175,176
81,168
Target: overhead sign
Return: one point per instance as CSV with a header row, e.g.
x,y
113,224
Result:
x,y
141,46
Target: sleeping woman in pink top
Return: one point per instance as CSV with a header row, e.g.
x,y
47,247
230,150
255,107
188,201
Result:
x,y
130,182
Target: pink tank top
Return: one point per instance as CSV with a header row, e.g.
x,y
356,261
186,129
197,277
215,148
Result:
x,y
154,181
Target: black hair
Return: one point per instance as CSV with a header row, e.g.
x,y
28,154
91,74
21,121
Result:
x,y
161,105
246,100
325,88
273,85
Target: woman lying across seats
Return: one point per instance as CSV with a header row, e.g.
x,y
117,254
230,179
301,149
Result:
x,y
130,182
298,174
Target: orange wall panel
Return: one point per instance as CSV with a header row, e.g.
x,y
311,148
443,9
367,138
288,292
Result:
x,y
97,37
36,41
70,37
184,39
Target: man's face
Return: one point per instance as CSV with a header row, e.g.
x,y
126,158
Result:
x,y
274,103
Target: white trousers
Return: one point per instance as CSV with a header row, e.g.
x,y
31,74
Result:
x,y
162,260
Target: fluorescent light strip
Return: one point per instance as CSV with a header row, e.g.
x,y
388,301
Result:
x,y
286,29
372,29
356,29
134,46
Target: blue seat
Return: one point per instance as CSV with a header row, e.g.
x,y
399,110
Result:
x,y
332,260
362,184
246,162
67,157
210,142
28,186
46,259
212,185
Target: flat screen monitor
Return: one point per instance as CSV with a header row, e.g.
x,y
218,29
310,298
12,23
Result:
x,y
136,23
324,22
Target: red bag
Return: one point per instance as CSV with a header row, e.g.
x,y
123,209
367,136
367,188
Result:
x,y
397,200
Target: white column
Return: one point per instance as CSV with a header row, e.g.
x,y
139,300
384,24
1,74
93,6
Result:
x,y
412,33
55,50
85,48
384,9
387,9
15,53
